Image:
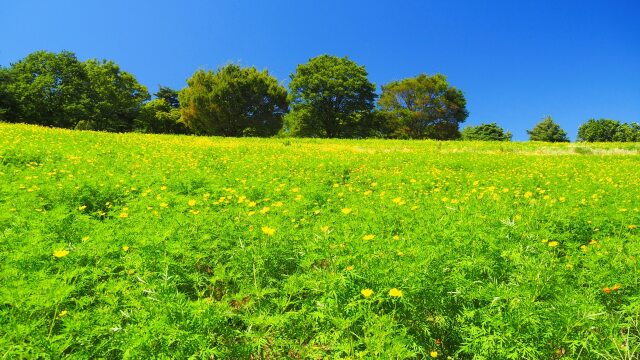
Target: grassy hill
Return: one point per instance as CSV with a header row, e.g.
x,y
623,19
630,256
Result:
x,y
142,246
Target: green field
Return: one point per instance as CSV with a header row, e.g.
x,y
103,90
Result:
x,y
142,246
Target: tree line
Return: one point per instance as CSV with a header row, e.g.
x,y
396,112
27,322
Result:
x,y
328,97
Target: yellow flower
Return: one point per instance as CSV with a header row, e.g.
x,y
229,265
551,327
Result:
x,y
553,243
123,215
632,226
324,228
62,313
528,194
269,231
395,293
164,205
252,204
85,238
60,253
366,292
125,248
346,211
192,202
82,207
265,210
434,354
349,268
368,237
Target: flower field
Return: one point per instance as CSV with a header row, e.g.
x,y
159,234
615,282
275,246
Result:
x,y
155,246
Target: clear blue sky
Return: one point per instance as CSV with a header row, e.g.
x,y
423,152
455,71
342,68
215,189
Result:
x,y
516,61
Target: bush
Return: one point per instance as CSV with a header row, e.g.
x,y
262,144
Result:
x,y
486,132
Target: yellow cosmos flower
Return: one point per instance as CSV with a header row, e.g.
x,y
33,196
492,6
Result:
x,y
368,237
324,228
553,243
82,207
434,354
60,253
366,292
346,211
123,215
632,227
268,230
125,248
192,202
164,205
349,268
395,292
265,210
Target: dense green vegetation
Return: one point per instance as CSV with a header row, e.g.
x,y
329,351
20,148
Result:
x,y
155,246
328,97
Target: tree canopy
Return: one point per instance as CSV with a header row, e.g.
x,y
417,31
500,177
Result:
x,y
486,132
233,101
423,107
606,130
330,97
58,90
547,130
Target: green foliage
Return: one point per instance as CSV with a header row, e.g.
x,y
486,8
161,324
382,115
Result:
x,y
547,130
424,107
486,132
169,95
330,97
116,97
233,101
159,117
142,246
58,90
627,133
605,130
48,89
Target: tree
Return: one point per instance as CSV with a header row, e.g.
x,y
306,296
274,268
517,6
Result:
x,y
423,107
330,97
486,132
598,130
159,117
47,89
116,97
628,133
7,102
547,130
233,101
169,95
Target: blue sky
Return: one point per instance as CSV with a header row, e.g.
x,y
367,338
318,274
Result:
x,y
516,61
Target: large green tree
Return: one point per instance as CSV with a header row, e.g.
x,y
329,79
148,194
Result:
x,y
47,89
169,95
233,101
547,130
423,107
330,97
115,96
486,132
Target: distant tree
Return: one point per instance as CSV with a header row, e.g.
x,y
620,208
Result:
x,y
602,130
628,133
330,97
47,89
115,96
233,101
169,95
7,102
423,107
486,132
159,117
547,130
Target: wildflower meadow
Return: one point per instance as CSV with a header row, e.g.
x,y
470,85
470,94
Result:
x,y
170,246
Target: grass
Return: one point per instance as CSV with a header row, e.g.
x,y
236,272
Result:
x,y
140,246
